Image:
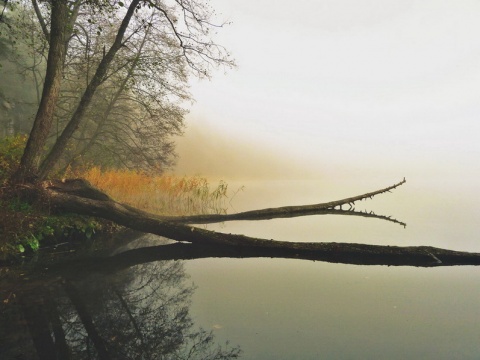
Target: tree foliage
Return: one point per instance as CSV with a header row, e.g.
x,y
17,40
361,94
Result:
x,y
19,71
115,86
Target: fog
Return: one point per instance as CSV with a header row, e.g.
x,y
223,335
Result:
x,y
337,90
205,151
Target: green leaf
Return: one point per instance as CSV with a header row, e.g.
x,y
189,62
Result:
x,y
89,232
34,244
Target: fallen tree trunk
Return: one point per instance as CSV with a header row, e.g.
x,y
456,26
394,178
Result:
x,y
79,197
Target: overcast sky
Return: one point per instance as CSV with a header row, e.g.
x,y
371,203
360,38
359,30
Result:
x,y
369,84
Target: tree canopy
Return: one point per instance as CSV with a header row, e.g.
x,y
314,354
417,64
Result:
x,y
116,77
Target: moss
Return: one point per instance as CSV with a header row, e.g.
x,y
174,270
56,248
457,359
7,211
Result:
x,y
25,227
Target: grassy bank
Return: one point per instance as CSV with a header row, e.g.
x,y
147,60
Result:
x,y
26,227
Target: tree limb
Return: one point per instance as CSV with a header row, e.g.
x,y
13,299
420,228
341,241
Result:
x,y
280,212
41,20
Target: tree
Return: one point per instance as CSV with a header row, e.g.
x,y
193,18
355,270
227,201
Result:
x,y
137,108
185,25
74,196
51,88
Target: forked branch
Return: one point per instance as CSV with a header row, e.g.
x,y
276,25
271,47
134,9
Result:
x,y
285,211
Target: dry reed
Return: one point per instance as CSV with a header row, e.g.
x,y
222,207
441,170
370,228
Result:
x,y
160,194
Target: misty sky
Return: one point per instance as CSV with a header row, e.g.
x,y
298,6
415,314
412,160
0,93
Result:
x,y
387,86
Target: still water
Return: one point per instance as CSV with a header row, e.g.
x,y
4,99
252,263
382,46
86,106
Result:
x,y
262,308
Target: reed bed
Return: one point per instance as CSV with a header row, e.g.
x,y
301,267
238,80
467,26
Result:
x,y
160,194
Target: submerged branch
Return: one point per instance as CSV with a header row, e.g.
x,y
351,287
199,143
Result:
x,y
344,253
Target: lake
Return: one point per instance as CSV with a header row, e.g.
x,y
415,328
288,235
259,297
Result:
x,y
288,309
272,308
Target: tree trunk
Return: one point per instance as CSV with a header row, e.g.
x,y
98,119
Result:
x,y
43,120
61,143
38,325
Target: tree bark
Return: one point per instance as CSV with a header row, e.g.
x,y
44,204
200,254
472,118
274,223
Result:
x,y
43,120
61,143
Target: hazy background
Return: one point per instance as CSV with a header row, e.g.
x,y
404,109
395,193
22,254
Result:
x,y
341,98
340,89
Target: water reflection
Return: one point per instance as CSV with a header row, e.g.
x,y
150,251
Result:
x,y
136,303
141,312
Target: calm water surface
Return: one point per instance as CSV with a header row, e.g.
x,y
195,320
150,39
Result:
x,y
275,308
288,309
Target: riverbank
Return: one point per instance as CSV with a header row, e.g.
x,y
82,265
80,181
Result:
x,y
25,227
29,224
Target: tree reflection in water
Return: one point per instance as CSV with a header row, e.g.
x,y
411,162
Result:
x,y
138,313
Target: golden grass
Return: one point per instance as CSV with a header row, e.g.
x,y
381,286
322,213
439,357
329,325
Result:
x,y
160,194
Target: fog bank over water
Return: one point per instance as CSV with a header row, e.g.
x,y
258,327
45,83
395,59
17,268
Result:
x,y
204,151
208,151
342,91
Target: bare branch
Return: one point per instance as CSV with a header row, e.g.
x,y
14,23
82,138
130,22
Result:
x,y
41,20
286,211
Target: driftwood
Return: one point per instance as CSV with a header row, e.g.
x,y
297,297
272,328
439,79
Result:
x,y
71,196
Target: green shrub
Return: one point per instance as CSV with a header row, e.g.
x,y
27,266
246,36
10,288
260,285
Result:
x,y
11,150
